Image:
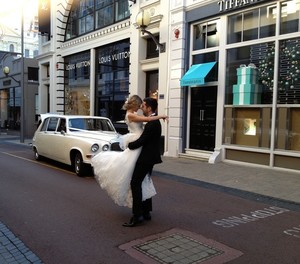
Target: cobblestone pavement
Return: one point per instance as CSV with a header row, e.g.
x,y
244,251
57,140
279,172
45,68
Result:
x,y
13,250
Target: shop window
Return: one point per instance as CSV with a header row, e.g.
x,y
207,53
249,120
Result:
x,y
152,50
122,10
247,126
112,80
289,16
152,84
33,74
89,15
250,74
27,53
255,24
206,35
104,13
11,48
77,84
288,129
289,72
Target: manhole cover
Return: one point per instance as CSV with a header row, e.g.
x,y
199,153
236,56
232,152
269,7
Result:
x,y
179,246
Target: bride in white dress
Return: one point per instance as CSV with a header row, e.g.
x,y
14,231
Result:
x,y
113,170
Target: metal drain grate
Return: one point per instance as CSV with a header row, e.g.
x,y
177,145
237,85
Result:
x,y
177,248
180,247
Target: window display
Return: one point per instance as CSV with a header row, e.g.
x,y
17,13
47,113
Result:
x,y
77,84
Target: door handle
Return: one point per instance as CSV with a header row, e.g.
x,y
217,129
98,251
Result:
x,y
201,118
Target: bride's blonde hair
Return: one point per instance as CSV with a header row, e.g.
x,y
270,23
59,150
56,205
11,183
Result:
x,y
132,102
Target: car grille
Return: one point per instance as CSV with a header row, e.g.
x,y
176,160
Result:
x,y
115,146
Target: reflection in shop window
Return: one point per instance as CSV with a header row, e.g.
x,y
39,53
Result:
x,y
88,15
255,24
289,19
288,129
206,35
112,79
104,16
249,127
289,72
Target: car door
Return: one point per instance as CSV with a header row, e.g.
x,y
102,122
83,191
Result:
x,y
45,137
60,142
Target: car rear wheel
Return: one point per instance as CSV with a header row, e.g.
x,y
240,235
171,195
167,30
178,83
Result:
x,y
79,166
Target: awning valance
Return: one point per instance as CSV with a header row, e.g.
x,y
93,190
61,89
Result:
x,y
196,74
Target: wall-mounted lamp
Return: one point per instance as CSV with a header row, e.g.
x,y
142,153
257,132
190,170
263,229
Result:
x,y
143,21
6,71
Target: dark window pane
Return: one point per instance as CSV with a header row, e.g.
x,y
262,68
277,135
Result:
x,y
289,17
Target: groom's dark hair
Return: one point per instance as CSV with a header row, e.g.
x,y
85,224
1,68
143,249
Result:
x,y
151,102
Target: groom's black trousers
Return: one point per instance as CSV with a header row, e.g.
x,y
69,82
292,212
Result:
x,y
140,207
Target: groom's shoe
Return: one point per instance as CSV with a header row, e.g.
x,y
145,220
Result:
x,y
134,221
147,216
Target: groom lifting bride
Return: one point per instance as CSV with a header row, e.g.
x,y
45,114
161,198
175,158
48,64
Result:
x,y
149,156
131,186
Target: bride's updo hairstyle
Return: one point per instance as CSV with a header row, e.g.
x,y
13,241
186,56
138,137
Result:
x,y
132,102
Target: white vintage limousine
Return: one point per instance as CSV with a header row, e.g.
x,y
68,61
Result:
x,y
73,139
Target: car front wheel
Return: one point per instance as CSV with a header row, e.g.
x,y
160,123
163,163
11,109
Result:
x,y
79,166
36,154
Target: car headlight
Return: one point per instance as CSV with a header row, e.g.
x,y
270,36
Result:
x,y
105,147
94,147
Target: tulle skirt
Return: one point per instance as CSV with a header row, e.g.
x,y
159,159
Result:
x,y
113,171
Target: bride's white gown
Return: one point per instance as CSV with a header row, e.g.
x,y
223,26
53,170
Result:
x,y
113,170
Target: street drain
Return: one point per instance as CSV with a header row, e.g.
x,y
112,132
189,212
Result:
x,y
179,246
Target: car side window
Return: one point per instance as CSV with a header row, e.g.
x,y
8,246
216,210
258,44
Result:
x,y
62,125
45,124
77,123
52,124
106,126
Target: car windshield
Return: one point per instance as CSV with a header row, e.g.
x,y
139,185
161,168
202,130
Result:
x,y
91,124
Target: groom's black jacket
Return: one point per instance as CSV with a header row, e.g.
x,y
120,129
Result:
x,y
150,143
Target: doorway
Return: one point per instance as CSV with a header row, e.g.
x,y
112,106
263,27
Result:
x,y
203,118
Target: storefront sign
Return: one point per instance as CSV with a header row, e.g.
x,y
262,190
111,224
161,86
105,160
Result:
x,y
101,60
78,65
226,5
114,57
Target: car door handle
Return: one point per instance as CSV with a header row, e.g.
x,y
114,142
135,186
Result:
x,y
201,118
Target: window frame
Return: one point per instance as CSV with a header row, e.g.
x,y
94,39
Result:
x,y
84,10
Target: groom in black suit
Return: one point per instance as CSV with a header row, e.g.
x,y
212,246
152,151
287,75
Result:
x,y
150,155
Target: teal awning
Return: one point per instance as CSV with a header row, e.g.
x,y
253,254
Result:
x,y
196,74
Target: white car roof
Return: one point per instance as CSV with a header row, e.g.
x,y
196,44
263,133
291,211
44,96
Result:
x,y
43,116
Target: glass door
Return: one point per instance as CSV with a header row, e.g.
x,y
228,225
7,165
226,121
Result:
x,y
203,118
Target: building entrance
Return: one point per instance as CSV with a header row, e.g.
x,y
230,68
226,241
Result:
x,y
203,118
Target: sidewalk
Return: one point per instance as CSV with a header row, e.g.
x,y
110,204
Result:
x,y
269,182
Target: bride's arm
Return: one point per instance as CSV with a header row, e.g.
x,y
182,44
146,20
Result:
x,y
137,118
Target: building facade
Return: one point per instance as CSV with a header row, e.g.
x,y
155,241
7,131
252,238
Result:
x,y
228,79
93,57
239,79
18,90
